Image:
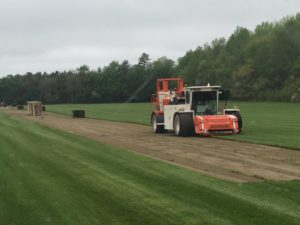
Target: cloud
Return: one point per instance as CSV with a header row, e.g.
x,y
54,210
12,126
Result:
x,y
48,35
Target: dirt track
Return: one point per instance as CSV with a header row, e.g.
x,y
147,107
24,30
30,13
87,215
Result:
x,y
229,160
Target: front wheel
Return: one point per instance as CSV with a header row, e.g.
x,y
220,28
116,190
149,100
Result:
x,y
183,124
156,128
240,120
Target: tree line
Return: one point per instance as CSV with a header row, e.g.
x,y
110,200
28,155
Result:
x,y
260,65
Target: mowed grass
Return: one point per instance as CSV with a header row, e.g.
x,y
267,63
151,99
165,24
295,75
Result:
x,y
51,177
270,123
131,112
275,124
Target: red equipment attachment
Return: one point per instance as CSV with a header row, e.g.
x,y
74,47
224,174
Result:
x,y
206,125
162,89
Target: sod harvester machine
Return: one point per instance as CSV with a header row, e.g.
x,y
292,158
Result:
x,y
190,110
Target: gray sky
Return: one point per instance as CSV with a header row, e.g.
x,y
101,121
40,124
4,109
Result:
x,y
49,35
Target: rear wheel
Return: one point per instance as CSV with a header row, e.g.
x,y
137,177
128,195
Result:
x,y
156,128
183,124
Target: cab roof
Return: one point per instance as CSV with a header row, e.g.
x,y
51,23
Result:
x,y
203,88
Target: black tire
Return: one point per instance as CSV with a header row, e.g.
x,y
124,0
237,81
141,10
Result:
x,y
156,128
240,120
183,124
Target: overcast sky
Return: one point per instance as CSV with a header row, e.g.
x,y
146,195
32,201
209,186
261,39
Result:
x,y
49,35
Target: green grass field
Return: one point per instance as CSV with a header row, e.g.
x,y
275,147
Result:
x,y
275,124
51,177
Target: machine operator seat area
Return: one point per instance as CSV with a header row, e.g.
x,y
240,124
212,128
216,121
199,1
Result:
x,y
203,108
204,103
